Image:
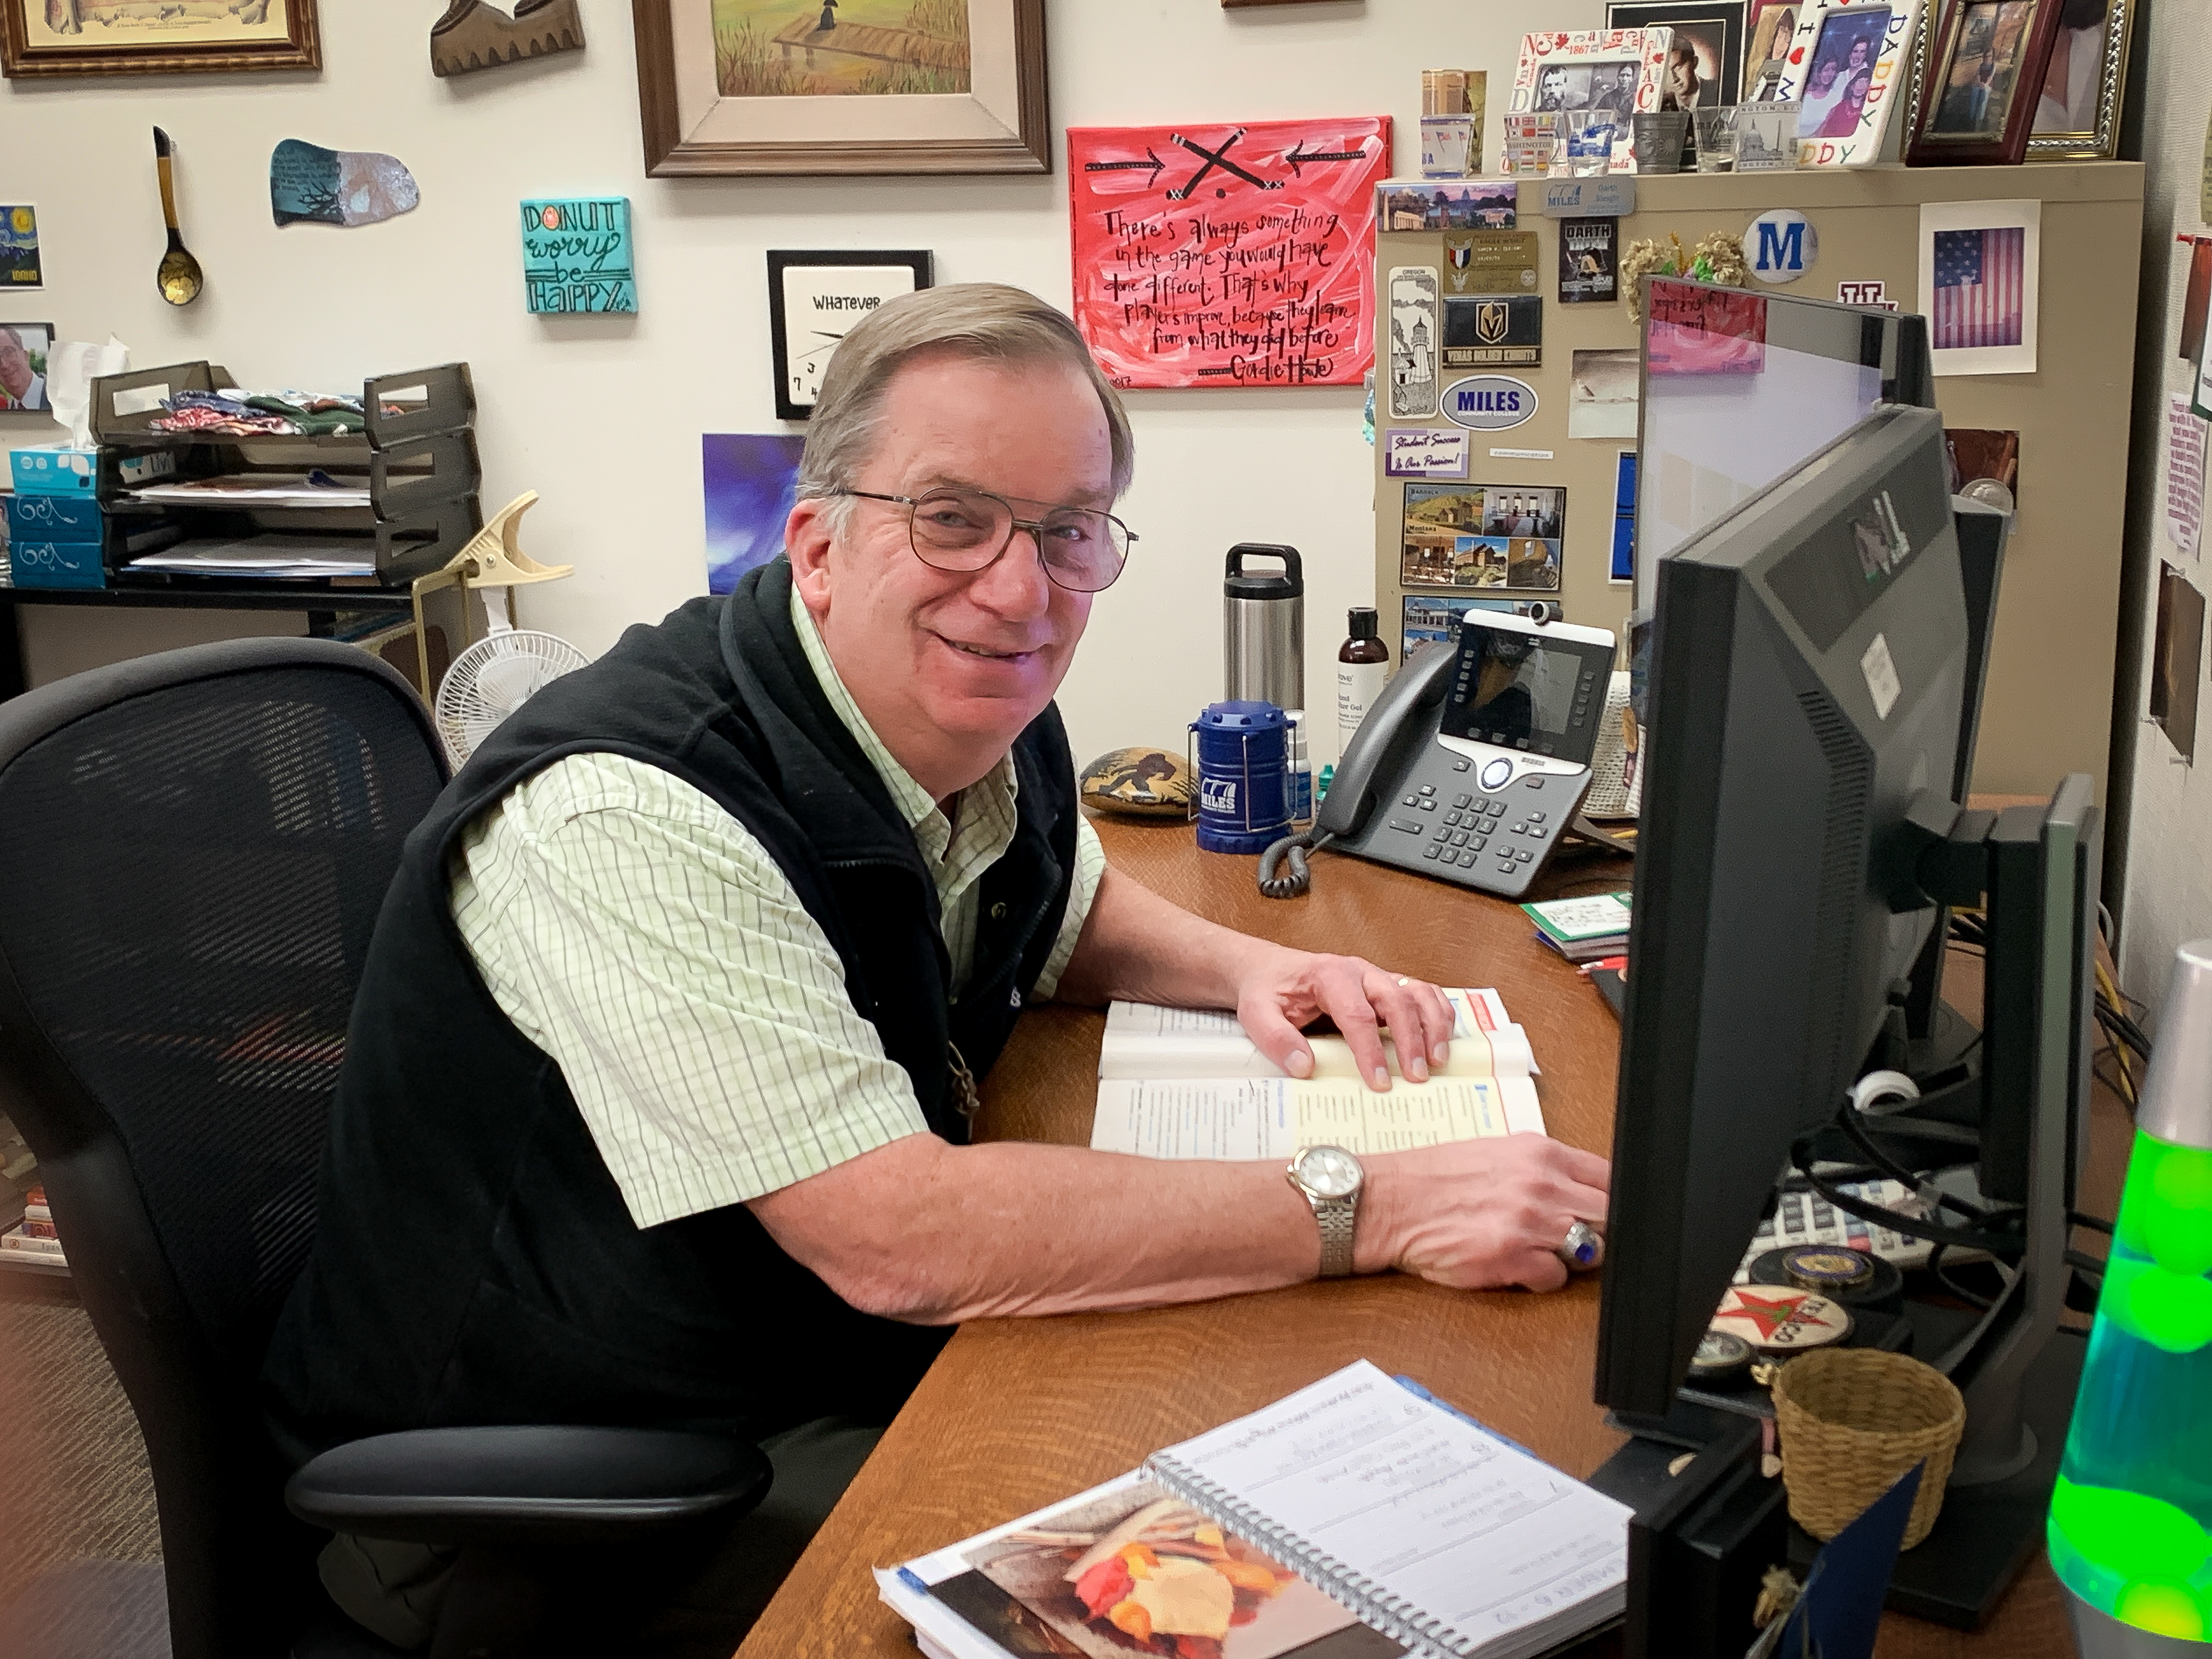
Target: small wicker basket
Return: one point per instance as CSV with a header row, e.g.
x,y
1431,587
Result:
x,y
1852,1420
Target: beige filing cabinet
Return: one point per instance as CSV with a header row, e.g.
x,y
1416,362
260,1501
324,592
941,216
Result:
x,y
2047,709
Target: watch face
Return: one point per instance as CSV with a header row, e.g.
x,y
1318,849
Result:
x,y
1329,1170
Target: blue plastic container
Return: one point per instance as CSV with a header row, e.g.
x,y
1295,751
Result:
x,y
1243,776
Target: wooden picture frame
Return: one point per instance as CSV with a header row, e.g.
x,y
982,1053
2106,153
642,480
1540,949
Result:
x,y
1847,72
32,44
719,97
796,277
2085,83
1977,101
1691,21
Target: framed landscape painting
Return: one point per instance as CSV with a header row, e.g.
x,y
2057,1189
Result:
x,y
174,37
842,86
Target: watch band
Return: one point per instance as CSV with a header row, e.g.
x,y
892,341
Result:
x,y
1339,1218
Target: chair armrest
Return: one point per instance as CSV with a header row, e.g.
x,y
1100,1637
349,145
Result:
x,y
526,1485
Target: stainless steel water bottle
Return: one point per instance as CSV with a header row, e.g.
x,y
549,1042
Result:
x,y
1263,638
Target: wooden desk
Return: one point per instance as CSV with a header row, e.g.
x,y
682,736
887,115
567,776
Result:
x,y
1018,1412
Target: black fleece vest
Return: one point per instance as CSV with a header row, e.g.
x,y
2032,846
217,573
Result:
x,y
474,1262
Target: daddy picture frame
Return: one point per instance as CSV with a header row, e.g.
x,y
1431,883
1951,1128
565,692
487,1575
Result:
x,y
1977,103
1846,72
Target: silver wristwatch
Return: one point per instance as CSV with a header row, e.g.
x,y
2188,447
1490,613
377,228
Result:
x,y
1331,1180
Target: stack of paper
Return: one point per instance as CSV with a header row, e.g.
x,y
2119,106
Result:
x,y
1583,929
265,556
256,490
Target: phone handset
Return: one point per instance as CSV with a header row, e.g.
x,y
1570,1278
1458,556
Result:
x,y
1406,708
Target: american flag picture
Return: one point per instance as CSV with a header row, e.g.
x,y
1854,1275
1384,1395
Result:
x,y
1980,281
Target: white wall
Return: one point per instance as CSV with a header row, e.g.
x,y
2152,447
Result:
x,y
602,415
2167,828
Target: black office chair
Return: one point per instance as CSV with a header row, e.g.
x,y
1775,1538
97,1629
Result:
x,y
197,844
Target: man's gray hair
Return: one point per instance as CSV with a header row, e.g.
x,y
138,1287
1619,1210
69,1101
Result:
x,y
974,322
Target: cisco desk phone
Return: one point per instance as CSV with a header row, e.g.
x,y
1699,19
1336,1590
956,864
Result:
x,y
1473,761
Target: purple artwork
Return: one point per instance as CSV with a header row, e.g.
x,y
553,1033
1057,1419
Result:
x,y
751,481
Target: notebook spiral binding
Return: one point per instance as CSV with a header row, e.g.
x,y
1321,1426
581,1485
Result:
x,y
1392,1615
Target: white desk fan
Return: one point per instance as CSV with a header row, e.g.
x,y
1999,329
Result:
x,y
492,677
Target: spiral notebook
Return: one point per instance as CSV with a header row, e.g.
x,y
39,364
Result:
x,y
1358,1518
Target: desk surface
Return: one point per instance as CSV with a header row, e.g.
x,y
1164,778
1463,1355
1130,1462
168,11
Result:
x,y
1018,1412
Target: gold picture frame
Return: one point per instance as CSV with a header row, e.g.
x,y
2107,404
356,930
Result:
x,y
820,87
177,37
2104,80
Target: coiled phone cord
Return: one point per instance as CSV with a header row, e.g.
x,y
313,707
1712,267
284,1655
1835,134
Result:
x,y
1295,848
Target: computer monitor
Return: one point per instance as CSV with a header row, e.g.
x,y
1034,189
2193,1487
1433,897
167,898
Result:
x,y
1809,675
1740,387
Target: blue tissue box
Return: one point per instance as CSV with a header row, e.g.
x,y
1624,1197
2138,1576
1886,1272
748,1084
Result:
x,y
56,564
53,519
54,470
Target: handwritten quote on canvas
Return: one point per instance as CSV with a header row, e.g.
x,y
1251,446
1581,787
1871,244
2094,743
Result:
x,y
1226,256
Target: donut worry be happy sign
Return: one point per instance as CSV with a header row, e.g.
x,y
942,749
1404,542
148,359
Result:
x,y
1211,255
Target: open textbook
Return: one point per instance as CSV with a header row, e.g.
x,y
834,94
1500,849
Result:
x,y
1188,1083
1358,1519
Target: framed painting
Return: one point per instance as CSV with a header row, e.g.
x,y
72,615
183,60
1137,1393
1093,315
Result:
x,y
813,301
177,37
796,86
1988,65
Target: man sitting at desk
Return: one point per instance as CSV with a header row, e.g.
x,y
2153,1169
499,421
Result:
x,y
655,1104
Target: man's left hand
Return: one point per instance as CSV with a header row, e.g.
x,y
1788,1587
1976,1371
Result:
x,y
1287,989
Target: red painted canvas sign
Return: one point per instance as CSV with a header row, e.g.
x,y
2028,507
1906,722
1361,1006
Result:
x,y
1228,256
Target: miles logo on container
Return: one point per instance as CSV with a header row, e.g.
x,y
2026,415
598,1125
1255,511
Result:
x,y
1489,403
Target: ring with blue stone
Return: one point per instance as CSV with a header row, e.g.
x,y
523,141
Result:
x,y
1583,1249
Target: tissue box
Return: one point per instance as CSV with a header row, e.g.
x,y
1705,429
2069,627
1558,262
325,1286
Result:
x,y
52,518
54,470
56,564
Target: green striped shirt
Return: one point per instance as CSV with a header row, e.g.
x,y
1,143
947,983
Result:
x,y
645,940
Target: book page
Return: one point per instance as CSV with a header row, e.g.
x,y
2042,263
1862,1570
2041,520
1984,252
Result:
x,y
1144,1040
1428,1508
1272,1118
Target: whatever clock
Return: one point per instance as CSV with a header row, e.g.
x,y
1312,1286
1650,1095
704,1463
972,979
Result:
x,y
815,299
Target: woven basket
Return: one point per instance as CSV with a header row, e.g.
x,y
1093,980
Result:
x,y
1852,1420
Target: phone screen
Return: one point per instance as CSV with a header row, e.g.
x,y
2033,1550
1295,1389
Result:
x,y
1513,691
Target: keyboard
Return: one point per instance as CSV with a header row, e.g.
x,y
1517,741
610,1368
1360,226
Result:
x,y
1805,1218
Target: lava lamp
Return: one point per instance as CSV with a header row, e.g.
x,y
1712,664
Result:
x,y
2130,1526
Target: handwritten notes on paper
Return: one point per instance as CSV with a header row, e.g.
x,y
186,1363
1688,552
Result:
x,y
1228,256
2184,476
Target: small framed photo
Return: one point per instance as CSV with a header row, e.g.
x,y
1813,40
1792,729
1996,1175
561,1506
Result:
x,y
1773,23
813,301
2077,110
1705,62
1980,277
1980,97
24,347
1616,69
1845,71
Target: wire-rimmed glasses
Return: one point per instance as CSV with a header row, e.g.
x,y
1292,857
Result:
x,y
967,530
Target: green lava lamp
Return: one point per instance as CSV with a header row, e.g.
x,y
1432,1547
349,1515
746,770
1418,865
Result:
x,y
2131,1516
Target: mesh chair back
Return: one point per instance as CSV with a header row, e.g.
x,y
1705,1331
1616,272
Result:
x,y
198,845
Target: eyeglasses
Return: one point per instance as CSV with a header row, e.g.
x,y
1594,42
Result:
x,y
967,530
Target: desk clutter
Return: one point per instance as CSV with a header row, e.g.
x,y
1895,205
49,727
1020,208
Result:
x,y
1358,1517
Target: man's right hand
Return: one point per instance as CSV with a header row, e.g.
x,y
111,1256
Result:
x,y
1479,1214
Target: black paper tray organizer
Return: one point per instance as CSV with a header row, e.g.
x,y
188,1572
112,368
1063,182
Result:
x,y
415,456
